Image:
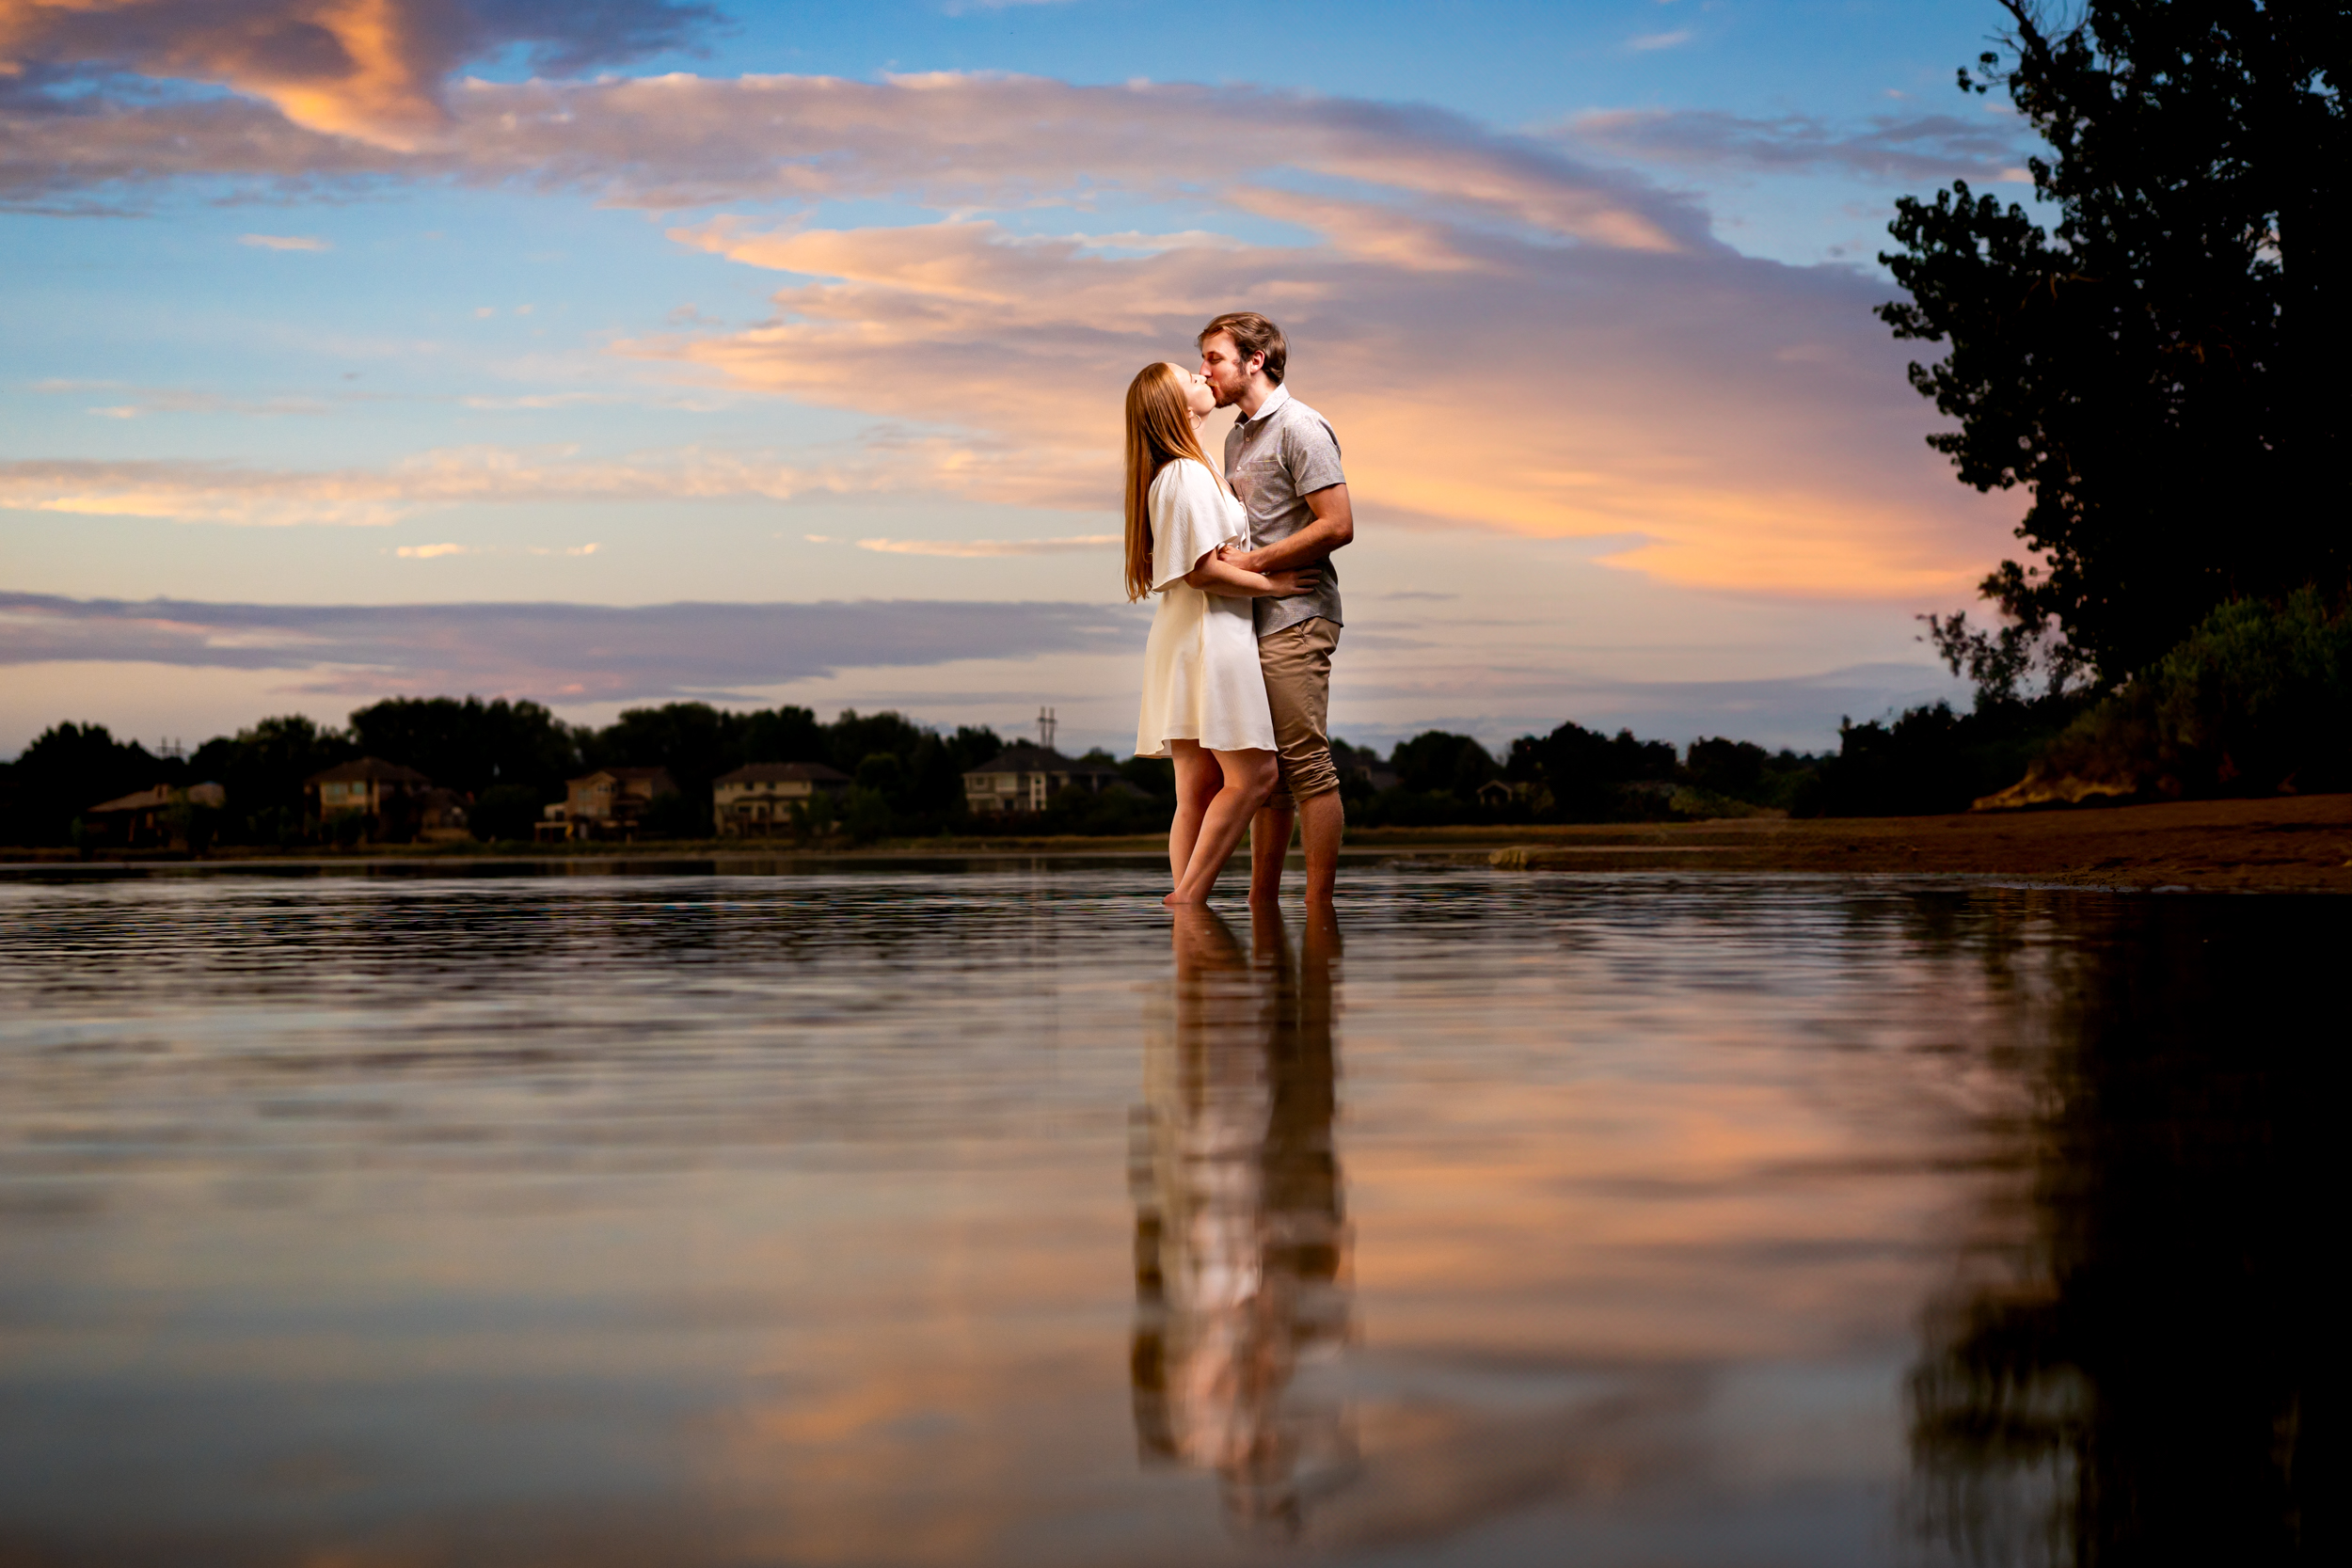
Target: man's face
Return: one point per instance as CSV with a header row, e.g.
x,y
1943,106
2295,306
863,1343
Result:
x,y
1227,371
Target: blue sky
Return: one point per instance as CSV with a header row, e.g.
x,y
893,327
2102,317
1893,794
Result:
x,y
442,310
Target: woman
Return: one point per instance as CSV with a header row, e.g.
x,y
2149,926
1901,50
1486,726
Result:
x,y
1203,699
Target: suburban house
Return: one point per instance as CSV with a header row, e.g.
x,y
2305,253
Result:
x,y
151,818
1024,777
757,800
609,802
441,816
388,797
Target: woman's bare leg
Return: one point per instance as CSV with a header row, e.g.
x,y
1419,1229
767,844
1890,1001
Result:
x,y
1197,780
1247,777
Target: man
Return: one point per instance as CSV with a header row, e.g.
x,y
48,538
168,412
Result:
x,y
1283,462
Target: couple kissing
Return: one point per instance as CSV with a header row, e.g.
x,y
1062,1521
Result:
x,y
1237,674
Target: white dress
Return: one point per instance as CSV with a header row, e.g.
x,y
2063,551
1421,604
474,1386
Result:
x,y
1200,675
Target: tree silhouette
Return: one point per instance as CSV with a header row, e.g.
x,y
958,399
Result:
x,y
2163,370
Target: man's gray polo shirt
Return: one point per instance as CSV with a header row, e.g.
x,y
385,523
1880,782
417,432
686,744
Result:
x,y
1274,463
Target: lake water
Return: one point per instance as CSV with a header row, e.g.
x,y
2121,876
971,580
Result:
x,y
985,1214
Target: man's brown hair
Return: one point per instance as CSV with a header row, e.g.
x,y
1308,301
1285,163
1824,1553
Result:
x,y
1251,334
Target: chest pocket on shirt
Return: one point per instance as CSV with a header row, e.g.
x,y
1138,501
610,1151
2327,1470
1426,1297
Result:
x,y
1246,478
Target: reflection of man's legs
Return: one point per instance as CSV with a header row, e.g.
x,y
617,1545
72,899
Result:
x,y
1297,665
1269,948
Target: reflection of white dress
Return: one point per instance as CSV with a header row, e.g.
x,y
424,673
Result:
x,y
1200,675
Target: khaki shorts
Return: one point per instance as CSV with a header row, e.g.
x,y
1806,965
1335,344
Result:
x,y
1297,665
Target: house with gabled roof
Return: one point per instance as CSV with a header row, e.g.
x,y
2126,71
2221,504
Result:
x,y
150,819
1024,777
760,799
387,798
610,802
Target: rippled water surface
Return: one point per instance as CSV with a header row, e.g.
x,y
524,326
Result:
x,y
987,1214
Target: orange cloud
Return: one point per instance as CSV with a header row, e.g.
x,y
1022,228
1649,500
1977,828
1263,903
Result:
x,y
372,71
1731,419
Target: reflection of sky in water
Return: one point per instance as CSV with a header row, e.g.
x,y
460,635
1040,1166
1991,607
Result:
x,y
885,1218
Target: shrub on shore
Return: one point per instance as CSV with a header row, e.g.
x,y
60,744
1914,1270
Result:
x,y
1932,760
2256,701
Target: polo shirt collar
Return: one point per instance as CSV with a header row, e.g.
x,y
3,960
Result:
x,y
1266,410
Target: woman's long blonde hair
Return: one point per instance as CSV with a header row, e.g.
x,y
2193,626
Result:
x,y
1159,430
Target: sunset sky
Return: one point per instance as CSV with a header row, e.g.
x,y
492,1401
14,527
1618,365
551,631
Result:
x,y
608,352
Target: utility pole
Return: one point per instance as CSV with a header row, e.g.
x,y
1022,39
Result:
x,y
1045,727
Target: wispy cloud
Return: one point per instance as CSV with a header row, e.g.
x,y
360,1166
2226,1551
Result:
x,y
196,492
181,400
1647,41
434,552
285,242
553,652
970,548
1914,147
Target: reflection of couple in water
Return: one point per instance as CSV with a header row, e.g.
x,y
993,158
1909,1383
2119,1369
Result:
x,y
1241,1245
1237,676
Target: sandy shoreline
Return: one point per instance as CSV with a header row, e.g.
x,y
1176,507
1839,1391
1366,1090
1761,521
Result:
x,y
2297,843
2300,844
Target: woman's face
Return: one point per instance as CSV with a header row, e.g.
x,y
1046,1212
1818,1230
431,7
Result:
x,y
1199,395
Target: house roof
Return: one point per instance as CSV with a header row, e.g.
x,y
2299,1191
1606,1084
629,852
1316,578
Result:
x,y
1037,759
369,768
164,795
146,799
782,772
624,775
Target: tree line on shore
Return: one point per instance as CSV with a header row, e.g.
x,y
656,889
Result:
x,y
2258,699
512,758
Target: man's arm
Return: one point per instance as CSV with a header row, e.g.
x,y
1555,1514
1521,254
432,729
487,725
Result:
x,y
1334,527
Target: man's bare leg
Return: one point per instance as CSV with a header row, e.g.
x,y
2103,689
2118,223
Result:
x,y
1323,820
1269,845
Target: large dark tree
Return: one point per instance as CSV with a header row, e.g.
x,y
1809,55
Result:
x,y
1585,771
472,745
1437,761
2164,370
72,767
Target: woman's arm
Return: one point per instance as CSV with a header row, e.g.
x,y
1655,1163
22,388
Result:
x,y
1215,575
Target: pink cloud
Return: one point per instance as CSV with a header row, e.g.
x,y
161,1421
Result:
x,y
973,141
554,652
242,494
1746,422
372,71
